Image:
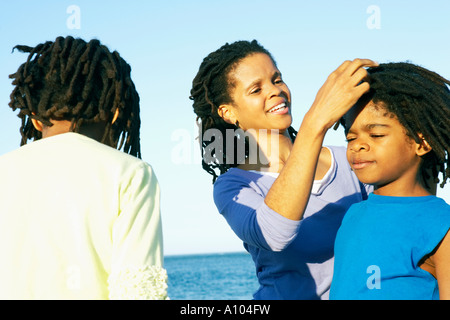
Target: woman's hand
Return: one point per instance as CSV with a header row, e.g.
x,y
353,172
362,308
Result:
x,y
340,92
290,192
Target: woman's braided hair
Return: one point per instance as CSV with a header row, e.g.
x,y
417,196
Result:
x,y
85,83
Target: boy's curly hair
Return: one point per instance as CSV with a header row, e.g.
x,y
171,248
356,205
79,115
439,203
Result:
x,y
85,83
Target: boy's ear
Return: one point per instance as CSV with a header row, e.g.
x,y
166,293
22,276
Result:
x,y
37,124
226,112
116,114
423,147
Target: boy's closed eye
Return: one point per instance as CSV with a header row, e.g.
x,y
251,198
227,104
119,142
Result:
x,y
350,139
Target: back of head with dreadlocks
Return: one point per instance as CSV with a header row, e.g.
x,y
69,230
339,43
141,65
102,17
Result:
x,y
420,99
85,83
212,87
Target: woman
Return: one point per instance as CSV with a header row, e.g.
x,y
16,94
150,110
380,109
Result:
x,y
266,199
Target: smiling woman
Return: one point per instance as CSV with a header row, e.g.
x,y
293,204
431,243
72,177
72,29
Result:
x,y
215,108
239,87
263,103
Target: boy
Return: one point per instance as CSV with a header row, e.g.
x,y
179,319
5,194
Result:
x,y
395,244
79,219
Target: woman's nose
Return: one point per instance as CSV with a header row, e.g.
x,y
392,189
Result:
x,y
275,90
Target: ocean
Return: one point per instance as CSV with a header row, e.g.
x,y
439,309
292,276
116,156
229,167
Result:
x,y
221,276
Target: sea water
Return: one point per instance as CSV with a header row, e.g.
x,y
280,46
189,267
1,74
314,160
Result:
x,y
226,276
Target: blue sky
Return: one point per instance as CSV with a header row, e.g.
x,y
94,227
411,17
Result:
x,y
165,42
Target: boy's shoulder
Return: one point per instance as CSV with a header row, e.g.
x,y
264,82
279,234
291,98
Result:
x,y
443,204
432,205
70,148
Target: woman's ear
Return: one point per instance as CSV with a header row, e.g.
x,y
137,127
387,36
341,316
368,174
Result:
x,y
227,113
423,147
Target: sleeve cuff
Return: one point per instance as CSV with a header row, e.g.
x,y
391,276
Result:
x,y
146,283
277,230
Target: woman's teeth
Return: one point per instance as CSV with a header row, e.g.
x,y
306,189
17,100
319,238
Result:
x,y
278,107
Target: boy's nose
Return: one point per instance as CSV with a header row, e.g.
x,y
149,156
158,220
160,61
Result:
x,y
358,146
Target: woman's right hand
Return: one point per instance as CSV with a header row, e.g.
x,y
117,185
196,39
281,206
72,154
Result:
x,y
340,92
290,192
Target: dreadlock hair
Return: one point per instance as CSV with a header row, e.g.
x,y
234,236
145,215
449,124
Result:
x,y
212,87
85,83
420,99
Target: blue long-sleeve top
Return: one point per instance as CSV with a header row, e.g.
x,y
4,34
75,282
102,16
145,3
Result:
x,y
293,259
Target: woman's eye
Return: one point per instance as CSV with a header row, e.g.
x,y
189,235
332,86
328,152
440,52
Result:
x,y
377,135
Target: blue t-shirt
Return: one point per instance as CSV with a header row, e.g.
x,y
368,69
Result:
x,y
294,260
381,244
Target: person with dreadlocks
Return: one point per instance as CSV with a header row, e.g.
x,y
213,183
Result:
x,y
395,245
285,206
80,219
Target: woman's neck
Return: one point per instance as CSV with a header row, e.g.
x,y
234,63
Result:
x,y
268,150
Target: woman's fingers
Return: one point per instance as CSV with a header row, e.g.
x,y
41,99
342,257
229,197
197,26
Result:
x,y
357,64
349,67
354,74
343,67
351,73
342,90
362,89
359,75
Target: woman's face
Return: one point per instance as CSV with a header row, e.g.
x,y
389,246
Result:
x,y
261,100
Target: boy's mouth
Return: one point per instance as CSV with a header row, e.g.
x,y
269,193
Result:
x,y
361,164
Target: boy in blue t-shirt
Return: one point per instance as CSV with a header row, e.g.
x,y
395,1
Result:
x,y
395,244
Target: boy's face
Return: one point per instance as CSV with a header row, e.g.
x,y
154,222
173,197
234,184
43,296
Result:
x,y
379,151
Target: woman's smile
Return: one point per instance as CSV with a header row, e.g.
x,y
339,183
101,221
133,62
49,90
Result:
x,y
281,108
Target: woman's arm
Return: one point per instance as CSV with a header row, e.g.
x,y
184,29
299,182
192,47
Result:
x,y
290,192
249,217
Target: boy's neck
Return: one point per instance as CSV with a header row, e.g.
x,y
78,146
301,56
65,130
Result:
x,y
397,190
93,131
409,183
58,127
